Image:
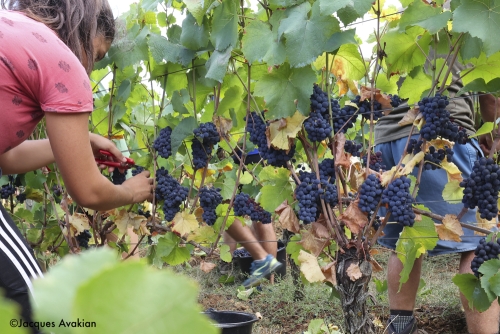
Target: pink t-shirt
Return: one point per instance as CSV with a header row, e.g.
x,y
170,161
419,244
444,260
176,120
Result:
x,y
38,74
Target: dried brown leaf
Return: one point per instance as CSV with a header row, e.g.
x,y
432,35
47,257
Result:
x,y
341,158
329,272
376,267
354,218
310,268
224,125
354,272
450,229
409,117
207,266
288,218
483,223
320,231
311,243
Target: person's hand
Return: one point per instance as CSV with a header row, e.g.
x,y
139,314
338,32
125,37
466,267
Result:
x,y
140,187
486,143
101,143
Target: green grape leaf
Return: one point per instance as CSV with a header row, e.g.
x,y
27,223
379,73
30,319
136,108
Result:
x,y
225,253
262,44
413,88
233,98
479,18
150,5
225,25
328,7
387,85
56,291
194,36
275,4
177,256
35,180
494,283
181,131
293,247
470,287
146,287
203,234
340,38
487,127
471,47
348,64
424,15
489,269
403,53
478,85
217,64
10,312
452,192
198,8
487,68
348,15
306,35
286,90
131,48
162,49
413,242
273,196
227,188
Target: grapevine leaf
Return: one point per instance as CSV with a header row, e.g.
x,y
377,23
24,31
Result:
x,y
330,274
283,132
80,222
311,244
227,188
272,197
470,287
294,248
232,100
484,129
387,85
479,18
217,64
125,219
329,7
166,244
471,47
450,229
179,302
203,234
35,180
340,38
478,85
354,218
348,64
262,44
286,90
452,171
182,131
452,192
354,272
198,8
56,291
162,49
310,268
274,4
403,53
194,36
409,165
225,25
489,269
487,68
494,282
207,267
409,117
484,223
10,310
425,15
413,242
131,48
306,35
184,223
225,254
413,87
288,218
177,256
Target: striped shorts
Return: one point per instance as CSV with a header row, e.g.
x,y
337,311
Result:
x,y
18,266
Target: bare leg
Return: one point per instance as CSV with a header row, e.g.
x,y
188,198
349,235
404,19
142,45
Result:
x,y
405,298
266,234
243,235
478,323
229,241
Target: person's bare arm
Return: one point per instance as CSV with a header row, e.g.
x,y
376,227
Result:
x,y
70,142
490,111
26,157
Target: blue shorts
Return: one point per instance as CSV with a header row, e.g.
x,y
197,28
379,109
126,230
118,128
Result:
x,y
430,194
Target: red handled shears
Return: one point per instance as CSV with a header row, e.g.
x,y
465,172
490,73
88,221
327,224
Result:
x,y
121,165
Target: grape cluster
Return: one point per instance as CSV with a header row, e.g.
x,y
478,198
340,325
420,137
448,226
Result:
x,y
56,190
317,128
414,146
146,214
307,193
209,199
327,170
21,198
375,161
352,147
241,252
257,129
376,223
434,157
137,170
342,117
399,200
370,194
171,192
395,100
83,239
485,251
206,136
365,108
7,190
328,193
437,120
246,206
117,177
163,143
481,188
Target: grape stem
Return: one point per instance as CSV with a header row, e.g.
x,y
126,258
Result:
x,y
135,248
202,183
380,229
290,168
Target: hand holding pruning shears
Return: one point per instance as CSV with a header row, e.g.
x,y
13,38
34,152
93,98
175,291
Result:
x,y
107,155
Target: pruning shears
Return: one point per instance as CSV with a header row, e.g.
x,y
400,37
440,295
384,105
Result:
x,y
121,165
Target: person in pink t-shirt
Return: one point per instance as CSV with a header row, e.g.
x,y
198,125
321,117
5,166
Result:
x,y
47,51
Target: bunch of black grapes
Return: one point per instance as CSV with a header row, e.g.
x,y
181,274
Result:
x,y
365,108
241,252
256,127
137,170
317,127
434,157
118,177
343,118
171,192
438,122
352,147
206,136
327,170
481,188
399,201
7,190
83,239
309,195
485,251
210,198
244,205
163,143
376,162
370,194
395,100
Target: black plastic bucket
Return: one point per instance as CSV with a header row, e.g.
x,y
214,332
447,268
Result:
x,y
246,261
232,322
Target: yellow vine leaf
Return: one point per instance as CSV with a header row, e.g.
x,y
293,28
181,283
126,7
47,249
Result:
x,y
124,219
484,223
184,223
408,168
452,171
450,229
79,221
282,132
310,268
452,192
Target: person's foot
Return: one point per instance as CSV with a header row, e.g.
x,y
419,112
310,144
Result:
x,y
260,270
410,328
